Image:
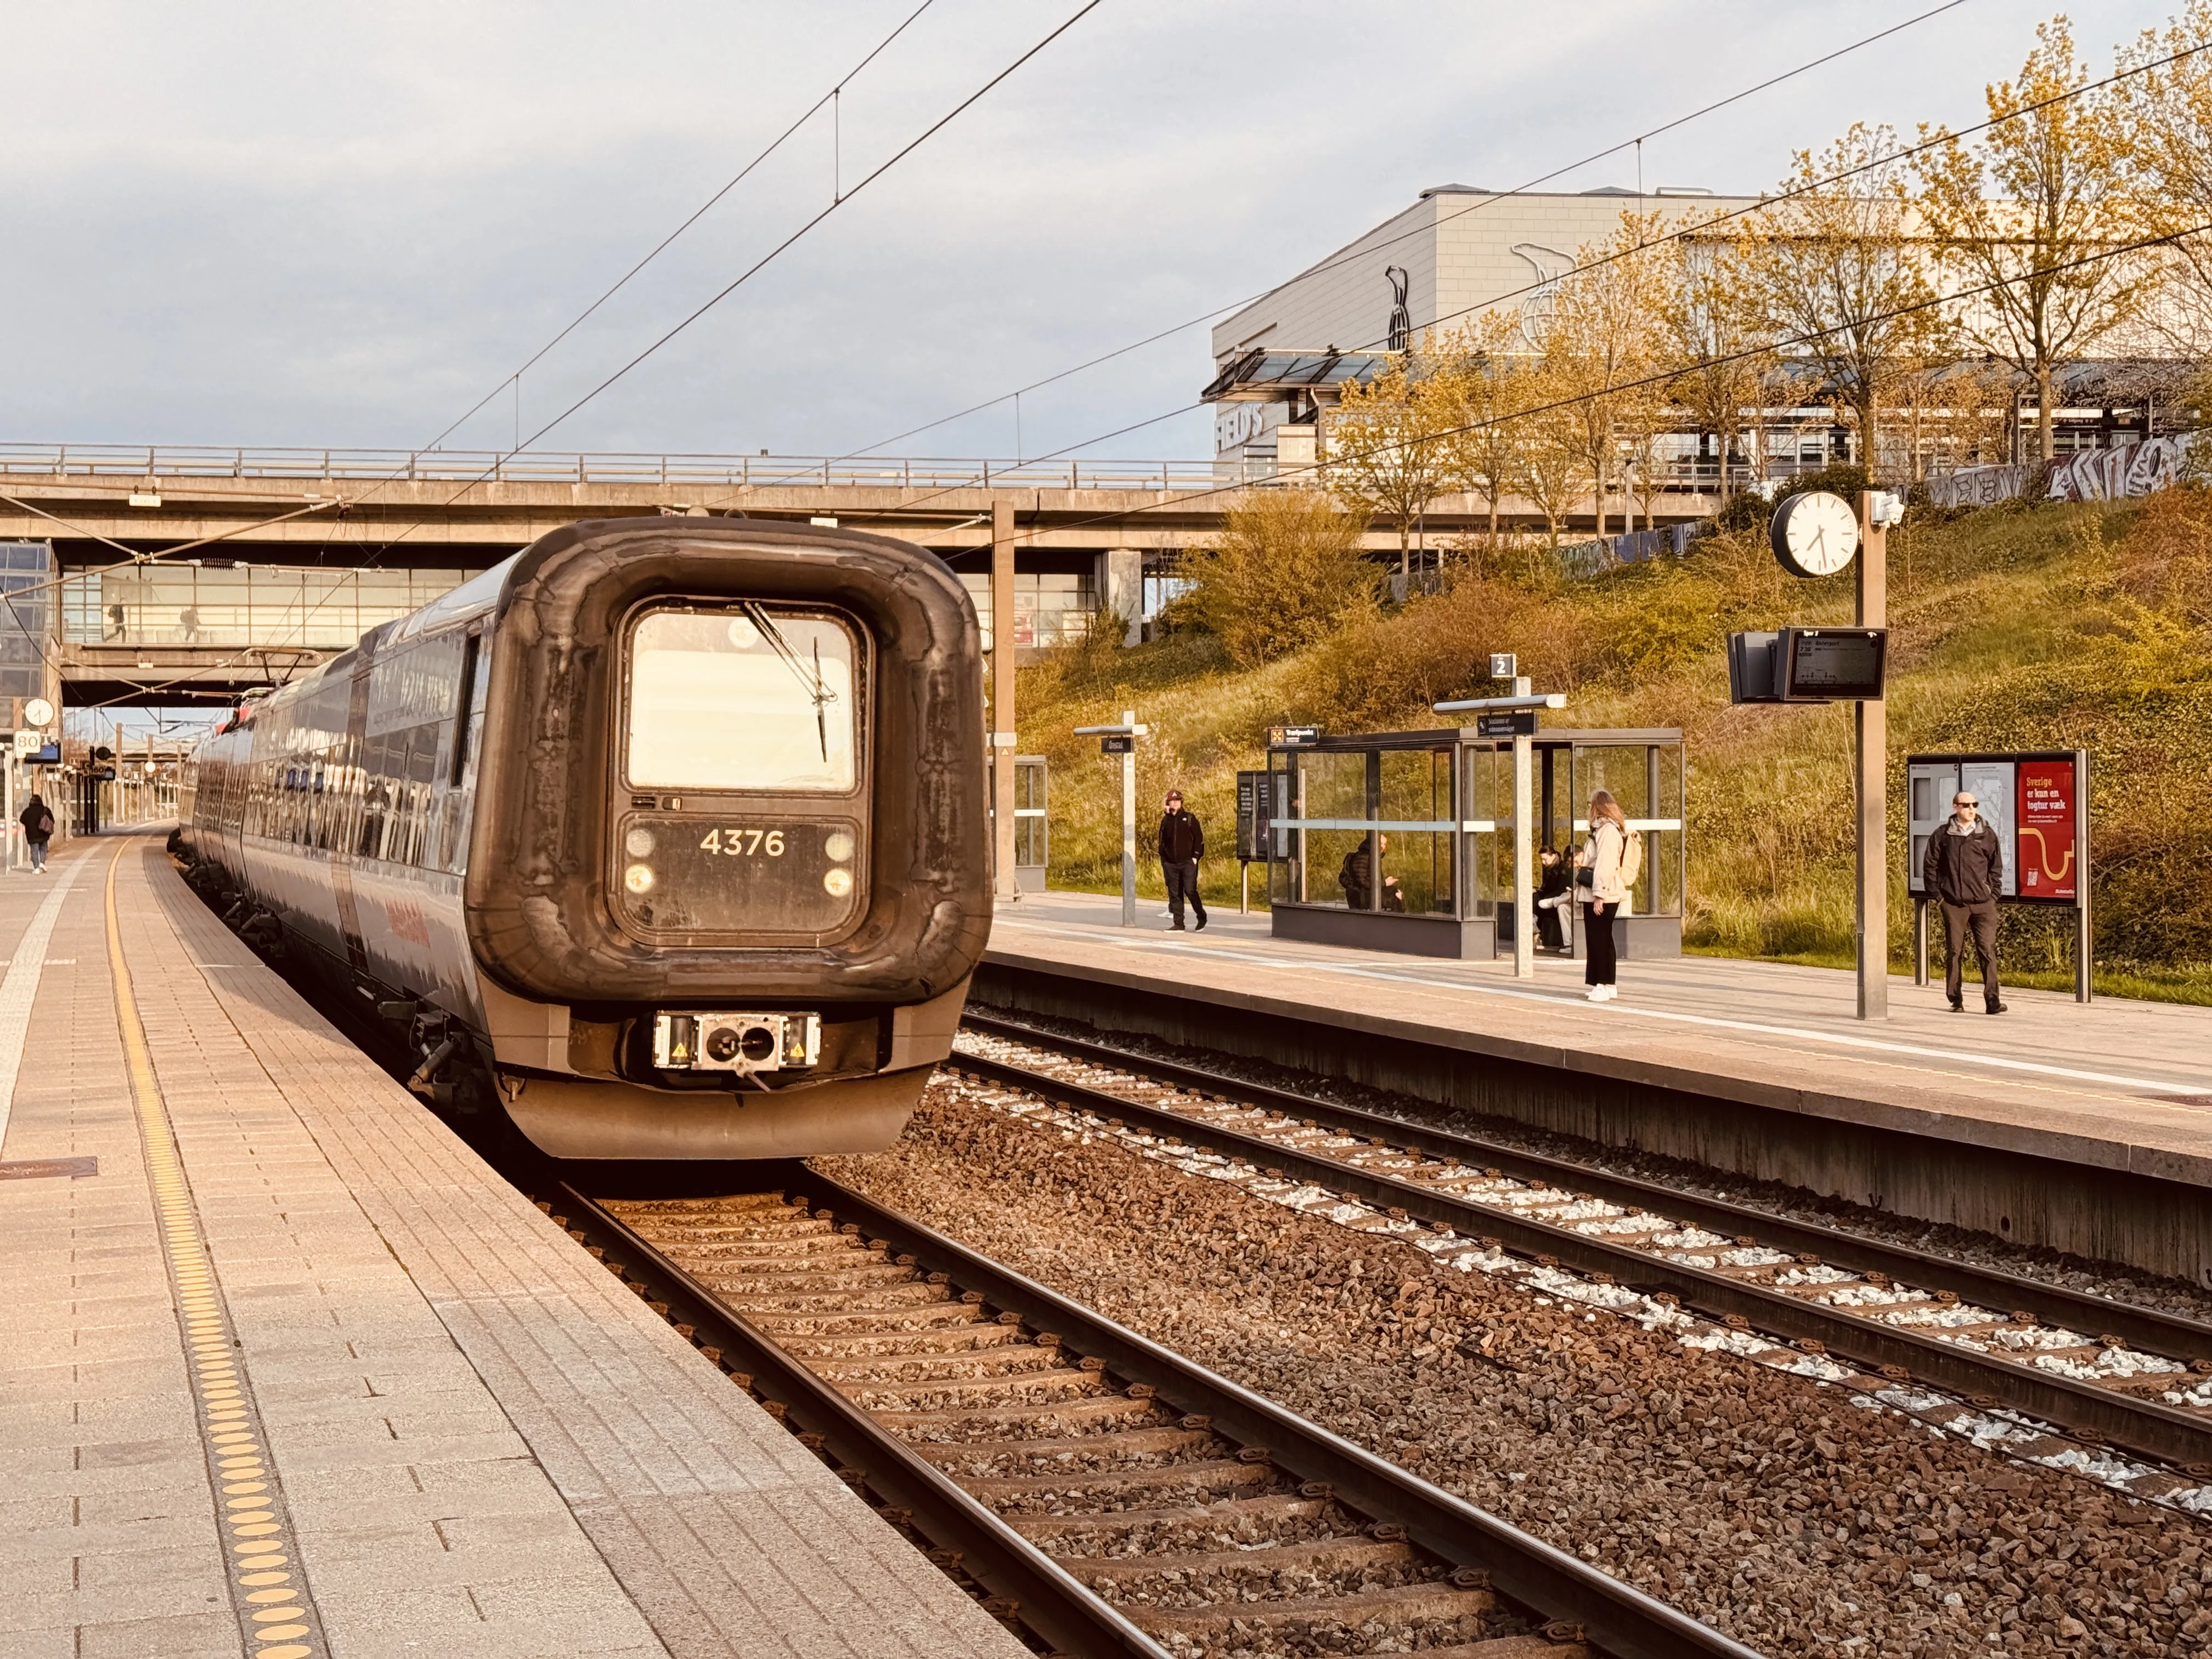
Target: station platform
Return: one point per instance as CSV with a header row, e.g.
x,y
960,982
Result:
x,y
1757,1067
290,1371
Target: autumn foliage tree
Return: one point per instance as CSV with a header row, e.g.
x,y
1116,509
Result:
x,y
2029,219
1287,570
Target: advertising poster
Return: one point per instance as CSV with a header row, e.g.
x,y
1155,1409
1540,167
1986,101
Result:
x,y
1990,782
2044,843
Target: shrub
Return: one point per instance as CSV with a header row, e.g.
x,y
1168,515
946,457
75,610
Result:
x,y
1381,672
1288,573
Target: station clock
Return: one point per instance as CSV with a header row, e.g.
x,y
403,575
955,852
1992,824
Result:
x,y
1814,533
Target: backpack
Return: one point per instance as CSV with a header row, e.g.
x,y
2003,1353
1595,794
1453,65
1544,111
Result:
x,y
1631,857
45,823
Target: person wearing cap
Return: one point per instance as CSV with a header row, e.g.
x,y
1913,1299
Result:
x,y
1964,868
1183,844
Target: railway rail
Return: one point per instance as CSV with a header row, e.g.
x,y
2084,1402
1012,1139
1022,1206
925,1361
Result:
x,y
2143,1383
1109,1497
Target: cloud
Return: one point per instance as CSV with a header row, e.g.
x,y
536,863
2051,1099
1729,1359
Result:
x,y
262,224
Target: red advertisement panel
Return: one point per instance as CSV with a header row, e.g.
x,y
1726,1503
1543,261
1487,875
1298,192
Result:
x,y
2043,842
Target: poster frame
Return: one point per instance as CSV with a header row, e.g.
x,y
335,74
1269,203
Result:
x,y
2084,964
2012,758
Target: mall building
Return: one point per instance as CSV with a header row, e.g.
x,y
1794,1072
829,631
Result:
x,y
1460,251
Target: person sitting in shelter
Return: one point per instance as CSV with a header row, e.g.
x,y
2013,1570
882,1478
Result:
x,y
1357,876
1551,892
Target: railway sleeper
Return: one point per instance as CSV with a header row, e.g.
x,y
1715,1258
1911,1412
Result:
x,y
1207,1546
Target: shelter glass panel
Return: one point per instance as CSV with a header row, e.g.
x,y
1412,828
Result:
x,y
1416,788
1333,794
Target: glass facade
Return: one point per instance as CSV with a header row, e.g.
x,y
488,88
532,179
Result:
x,y
183,603
26,630
1049,609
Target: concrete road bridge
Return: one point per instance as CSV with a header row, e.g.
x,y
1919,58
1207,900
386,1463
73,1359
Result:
x,y
299,550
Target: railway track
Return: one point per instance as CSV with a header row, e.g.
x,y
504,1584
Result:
x,y
1888,1315
1105,1496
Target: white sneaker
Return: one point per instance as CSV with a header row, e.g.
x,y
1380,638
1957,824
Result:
x,y
1595,993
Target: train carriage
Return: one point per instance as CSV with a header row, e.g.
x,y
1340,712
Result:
x,y
666,835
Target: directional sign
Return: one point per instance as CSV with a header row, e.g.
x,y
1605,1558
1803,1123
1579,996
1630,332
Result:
x,y
1512,723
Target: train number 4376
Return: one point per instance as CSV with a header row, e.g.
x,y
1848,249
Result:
x,y
744,843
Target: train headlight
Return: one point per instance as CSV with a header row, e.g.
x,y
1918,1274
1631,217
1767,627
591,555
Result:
x,y
638,842
638,878
837,847
837,883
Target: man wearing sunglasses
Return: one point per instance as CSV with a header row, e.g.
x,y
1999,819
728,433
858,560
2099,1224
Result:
x,y
1964,867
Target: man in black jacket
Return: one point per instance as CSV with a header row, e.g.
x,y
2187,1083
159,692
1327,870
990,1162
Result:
x,y
1183,844
1964,868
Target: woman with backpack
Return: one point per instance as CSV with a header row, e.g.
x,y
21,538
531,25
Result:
x,y
1608,867
38,830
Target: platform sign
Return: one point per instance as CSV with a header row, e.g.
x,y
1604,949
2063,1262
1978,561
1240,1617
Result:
x,y
1251,790
2045,840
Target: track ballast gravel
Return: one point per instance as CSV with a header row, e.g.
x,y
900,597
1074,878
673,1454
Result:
x,y
1786,1517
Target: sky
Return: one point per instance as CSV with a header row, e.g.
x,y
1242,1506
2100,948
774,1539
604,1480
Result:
x,y
342,226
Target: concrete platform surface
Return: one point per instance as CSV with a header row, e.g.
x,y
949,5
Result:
x,y
292,1372
2119,1086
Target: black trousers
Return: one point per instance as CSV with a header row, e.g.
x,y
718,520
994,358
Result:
x,y
1182,883
1598,958
1980,920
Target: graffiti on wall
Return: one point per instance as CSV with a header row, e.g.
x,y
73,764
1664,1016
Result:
x,y
2089,475
2110,475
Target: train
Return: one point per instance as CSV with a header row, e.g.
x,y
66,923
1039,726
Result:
x,y
665,837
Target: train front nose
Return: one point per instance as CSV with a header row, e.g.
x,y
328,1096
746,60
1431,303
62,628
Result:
x,y
736,837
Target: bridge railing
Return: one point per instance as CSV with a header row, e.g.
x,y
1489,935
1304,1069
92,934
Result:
x,y
147,461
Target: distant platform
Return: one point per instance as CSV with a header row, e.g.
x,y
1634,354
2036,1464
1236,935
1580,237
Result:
x,y
290,1371
2037,1125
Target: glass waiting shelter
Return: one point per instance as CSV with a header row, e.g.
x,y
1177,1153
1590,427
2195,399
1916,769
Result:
x,y
1403,840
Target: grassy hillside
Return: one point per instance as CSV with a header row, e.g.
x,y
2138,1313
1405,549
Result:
x,y
2044,626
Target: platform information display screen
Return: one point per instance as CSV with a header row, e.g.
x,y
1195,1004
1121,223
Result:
x,y
2031,800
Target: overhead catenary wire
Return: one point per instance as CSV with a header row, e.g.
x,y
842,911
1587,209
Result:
x,y
514,379
744,276
1365,249
1686,231
1804,337
833,98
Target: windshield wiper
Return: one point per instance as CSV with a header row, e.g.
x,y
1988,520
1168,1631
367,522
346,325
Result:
x,y
816,686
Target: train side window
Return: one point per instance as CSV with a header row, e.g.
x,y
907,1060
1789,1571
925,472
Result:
x,y
468,711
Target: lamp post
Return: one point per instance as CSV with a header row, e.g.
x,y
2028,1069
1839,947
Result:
x,y
1495,717
1122,740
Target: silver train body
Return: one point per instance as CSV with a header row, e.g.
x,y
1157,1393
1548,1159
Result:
x,y
665,837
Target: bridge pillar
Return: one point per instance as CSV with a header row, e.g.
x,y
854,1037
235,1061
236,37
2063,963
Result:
x,y
1119,582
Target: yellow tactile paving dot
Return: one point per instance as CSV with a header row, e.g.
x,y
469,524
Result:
x,y
275,1613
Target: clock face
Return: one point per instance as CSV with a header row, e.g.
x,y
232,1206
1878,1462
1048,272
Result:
x,y
1814,533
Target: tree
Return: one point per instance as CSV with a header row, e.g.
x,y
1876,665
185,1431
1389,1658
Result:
x,y
1602,332
2162,121
1288,570
2041,249
1489,383
1385,454
1712,332
1834,278
1549,439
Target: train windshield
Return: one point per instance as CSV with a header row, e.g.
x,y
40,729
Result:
x,y
752,698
